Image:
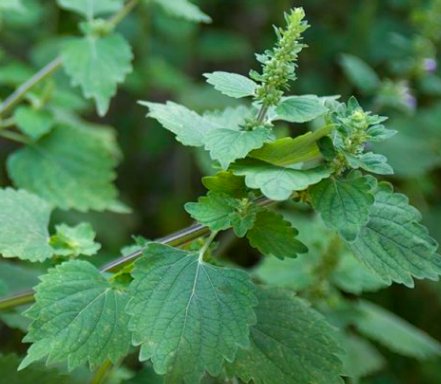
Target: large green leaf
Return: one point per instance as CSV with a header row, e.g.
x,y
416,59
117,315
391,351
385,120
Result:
x,y
24,220
187,315
184,9
70,168
300,109
231,84
189,127
274,236
278,183
393,244
232,118
395,333
343,204
226,182
291,343
97,65
91,8
78,316
228,145
289,151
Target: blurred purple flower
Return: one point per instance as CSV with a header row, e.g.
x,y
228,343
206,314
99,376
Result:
x,y
430,65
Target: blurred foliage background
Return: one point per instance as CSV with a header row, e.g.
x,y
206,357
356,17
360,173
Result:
x,y
383,51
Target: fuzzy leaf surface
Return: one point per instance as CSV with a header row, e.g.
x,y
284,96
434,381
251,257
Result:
x,y
371,162
291,343
24,220
231,84
91,8
187,315
78,316
184,9
300,109
75,241
97,65
33,123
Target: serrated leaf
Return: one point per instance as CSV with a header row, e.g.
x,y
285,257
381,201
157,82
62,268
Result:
x,y
300,109
37,374
75,241
187,315
343,204
78,316
231,84
189,127
289,151
360,73
32,122
232,118
24,220
393,244
184,9
291,343
379,133
274,236
97,65
226,182
361,358
228,145
371,162
394,332
91,8
70,168
278,183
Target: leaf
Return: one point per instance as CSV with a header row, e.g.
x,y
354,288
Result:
x,y
97,65
370,162
278,183
78,316
361,358
70,168
300,109
343,204
289,151
37,374
230,117
291,343
91,8
15,5
189,127
184,9
360,73
274,236
227,145
379,133
393,244
395,333
226,182
24,220
32,122
187,315
231,84
75,241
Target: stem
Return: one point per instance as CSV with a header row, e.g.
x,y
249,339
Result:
x,y
102,373
204,248
123,12
14,136
8,123
176,239
21,91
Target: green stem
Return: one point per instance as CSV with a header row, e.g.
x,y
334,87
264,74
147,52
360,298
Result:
x,y
123,12
19,138
8,123
102,373
206,245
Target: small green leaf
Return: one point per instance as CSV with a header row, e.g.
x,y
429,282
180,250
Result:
x,y
393,244
24,219
278,183
184,9
91,8
360,73
343,204
370,162
289,151
395,333
187,315
228,145
32,122
291,343
274,236
379,133
74,241
300,109
97,65
70,168
79,317
226,182
231,84
189,127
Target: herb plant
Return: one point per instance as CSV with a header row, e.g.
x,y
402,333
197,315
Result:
x,y
315,205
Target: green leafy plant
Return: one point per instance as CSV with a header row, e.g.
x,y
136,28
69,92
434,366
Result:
x,y
326,227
